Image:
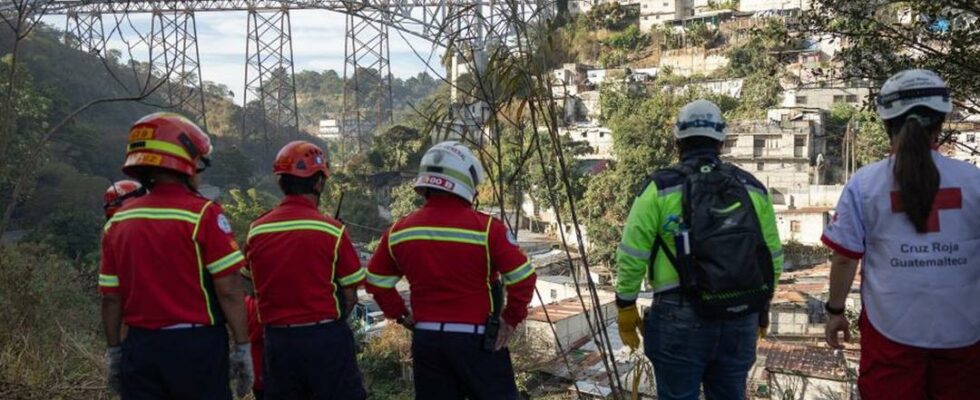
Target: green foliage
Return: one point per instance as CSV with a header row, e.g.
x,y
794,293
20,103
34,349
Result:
x,y
383,360
611,15
629,39
871,141
244,207
399,148
50,345
755,60
404,200
723,4
886,37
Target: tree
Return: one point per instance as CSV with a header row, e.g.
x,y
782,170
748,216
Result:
x,y
882,38
399,148
404,200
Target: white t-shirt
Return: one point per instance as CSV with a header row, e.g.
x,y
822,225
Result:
x,y
919,289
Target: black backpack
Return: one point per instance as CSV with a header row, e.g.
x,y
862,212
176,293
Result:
x,y
728,272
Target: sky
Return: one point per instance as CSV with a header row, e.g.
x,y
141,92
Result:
x,y
318,44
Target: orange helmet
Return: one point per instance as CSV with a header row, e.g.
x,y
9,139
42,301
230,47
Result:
x,y
167,140
300,158
119,192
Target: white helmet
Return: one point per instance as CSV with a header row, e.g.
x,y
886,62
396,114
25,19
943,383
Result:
x,y
912,88
700,118
452,167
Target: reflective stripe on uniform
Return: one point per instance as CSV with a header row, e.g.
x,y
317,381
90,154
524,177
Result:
x,y
108,280
518,274
352,278
154,213
160,146
295,225
224,262
634,252
438,235
382,281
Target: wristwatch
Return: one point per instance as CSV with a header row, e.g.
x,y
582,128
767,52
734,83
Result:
x,y
831,310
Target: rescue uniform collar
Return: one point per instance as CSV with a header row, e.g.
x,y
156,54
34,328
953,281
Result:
x,y
711,154
445,201
297,200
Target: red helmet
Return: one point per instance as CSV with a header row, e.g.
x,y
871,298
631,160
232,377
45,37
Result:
x,y
300,158
167,140
119,192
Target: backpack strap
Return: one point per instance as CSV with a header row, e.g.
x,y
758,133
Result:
x,y
658,244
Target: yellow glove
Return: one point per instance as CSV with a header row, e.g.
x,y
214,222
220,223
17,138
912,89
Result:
x,y
763,331
629,326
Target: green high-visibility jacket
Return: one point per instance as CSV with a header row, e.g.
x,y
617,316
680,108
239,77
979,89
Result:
x,y
650,211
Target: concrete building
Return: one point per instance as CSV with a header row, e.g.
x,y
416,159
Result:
x,y
804,225
773,5
966,146
725,87
825,98
694,60
329,129
598,137
779,155
569,321
796,314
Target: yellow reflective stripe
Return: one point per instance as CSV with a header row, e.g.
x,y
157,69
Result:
x,y
200,263
108,280
518,274
486,247
382,281
352,278
438,234
224,262
333,270
161,146
156,213
295,225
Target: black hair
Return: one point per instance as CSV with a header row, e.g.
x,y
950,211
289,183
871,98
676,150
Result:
x,y
295,185
692,143
912,135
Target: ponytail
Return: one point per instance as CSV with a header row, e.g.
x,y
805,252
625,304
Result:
x,y
914,170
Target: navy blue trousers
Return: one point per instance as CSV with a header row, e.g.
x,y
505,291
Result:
x,y
312,362
178,364
452,366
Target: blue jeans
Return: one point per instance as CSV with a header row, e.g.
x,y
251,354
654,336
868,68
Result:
x,y
688,351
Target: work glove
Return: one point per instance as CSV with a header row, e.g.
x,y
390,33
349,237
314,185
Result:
x,y
241,372
113,363
629,326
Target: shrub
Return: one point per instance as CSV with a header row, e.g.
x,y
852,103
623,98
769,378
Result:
x,y
50,341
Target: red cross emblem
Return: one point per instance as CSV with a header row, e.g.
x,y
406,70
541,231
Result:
x,y
946,199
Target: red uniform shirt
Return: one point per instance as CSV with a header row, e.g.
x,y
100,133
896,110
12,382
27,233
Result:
x,y
450,253
161,253
296,254
257,338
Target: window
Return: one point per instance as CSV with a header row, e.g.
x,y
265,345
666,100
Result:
x,y
799,141
839,98
758,143
554,294
760,166
971,138
666,4
800,99
794,226
851,98
585,134
602,134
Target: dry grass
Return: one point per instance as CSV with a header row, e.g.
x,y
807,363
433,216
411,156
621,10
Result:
x,y
49,335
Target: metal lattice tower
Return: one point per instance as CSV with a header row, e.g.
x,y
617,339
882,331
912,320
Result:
x,y
367,97
85,32
175,56
269,73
